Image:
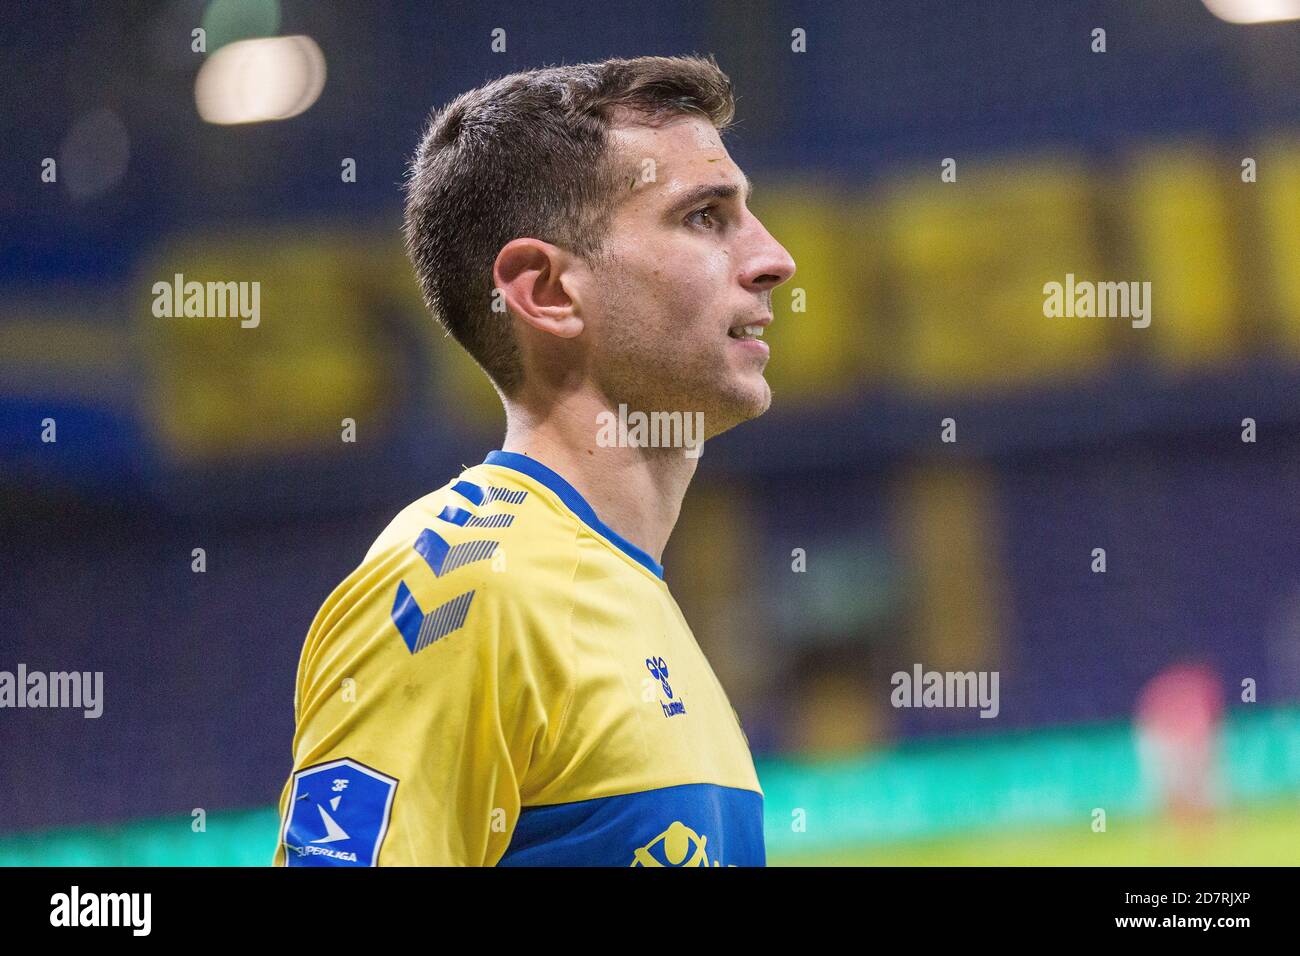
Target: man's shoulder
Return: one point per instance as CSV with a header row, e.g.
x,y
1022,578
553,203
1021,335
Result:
x,y
481,552
482,516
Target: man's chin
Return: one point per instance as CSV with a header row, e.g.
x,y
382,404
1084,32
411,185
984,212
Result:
x,y
748,402
762,399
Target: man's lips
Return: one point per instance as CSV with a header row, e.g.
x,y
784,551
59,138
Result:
x,y
748,336
751,329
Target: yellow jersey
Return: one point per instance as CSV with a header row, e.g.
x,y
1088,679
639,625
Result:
x,y
504,680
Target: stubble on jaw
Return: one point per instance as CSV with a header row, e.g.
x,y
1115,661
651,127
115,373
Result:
x,y
650,371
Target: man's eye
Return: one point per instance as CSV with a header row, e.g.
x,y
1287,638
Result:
x,y
709,221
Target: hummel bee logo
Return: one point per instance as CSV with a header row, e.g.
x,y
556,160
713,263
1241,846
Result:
x,y
658,668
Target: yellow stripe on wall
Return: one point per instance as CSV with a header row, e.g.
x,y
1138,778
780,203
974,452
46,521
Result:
x,y
1180,217
954,544
967,264
1279,189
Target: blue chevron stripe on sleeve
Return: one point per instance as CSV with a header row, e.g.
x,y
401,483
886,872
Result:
x,y
455,515
470,491
418,629
434,548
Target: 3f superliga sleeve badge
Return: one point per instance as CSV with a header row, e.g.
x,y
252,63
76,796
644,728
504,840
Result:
x,y
338,815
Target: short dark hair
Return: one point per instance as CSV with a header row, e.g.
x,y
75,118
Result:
x,y
525,155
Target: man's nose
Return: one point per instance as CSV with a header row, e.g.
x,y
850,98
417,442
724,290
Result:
x,y
769,264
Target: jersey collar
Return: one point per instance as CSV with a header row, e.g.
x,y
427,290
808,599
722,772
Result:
x,y
574,502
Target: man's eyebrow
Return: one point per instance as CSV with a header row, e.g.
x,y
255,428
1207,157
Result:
x,y
708,191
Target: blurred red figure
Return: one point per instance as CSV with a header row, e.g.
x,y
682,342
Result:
x,y
1179,713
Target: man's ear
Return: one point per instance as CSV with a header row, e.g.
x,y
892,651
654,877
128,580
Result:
x,y
530,274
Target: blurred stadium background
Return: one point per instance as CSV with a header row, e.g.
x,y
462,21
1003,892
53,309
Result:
x,y
924,302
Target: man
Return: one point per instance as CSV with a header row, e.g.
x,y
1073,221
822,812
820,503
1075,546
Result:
x,y
506,678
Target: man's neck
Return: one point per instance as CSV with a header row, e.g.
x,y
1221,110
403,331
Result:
x,y
637,492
